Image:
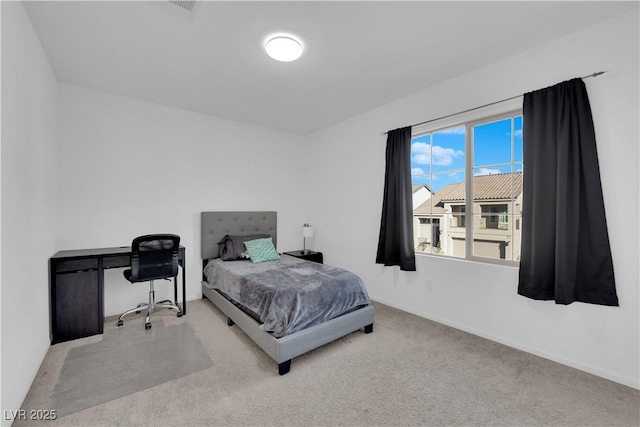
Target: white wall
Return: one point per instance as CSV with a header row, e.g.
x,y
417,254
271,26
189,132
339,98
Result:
x,y
347,178
29,176
131,167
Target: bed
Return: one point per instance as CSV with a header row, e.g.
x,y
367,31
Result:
x,y
283,345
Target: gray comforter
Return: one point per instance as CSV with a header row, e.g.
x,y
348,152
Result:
x,y
288,295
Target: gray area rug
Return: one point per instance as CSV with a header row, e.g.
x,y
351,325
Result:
x,y
127,360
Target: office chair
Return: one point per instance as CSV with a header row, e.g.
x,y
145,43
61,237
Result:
x,y
154,256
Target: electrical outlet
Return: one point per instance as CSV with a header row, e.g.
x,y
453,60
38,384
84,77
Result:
x,y
429,286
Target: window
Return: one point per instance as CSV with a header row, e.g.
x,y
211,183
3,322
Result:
x,y
457,212
486,226
495,216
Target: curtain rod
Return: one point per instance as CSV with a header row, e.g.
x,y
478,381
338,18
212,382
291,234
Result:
x,y
596,74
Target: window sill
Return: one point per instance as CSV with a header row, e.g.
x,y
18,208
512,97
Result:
x,y
475,260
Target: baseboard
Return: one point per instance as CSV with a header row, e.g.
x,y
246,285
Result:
x,y
633,383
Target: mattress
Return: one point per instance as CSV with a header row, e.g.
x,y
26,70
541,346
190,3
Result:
x,y
288,295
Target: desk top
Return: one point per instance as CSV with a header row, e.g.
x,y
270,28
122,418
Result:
x,y
79,253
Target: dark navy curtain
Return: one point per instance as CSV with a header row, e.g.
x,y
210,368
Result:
x,y
566,255
395,243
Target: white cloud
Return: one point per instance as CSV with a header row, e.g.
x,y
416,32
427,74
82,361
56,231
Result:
x,y
417,171
422,152
445,156
486,171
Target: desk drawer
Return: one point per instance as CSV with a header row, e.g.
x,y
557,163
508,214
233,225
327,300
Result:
x,y
69,265
116,261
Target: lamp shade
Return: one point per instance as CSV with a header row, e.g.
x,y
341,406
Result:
x,y
307,230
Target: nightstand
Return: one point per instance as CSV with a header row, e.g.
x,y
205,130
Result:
x,y
308,255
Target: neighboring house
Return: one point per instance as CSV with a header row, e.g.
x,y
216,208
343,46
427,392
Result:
x,y
439,223
421,193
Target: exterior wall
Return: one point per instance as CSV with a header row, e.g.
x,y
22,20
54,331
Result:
x,y
496,243
421,196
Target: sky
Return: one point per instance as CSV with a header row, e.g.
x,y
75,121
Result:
x,y
438,159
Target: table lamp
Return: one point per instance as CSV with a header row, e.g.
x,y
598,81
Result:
x,y
307,231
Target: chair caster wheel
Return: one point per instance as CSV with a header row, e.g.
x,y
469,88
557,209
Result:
x,y
147,325
120,323
179,314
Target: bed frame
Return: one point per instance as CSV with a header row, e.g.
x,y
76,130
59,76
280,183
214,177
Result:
x,y
214,226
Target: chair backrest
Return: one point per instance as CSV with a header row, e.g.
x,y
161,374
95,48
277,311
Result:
x,y
154,256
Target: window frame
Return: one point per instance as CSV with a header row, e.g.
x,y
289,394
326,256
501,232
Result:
x,y
493,113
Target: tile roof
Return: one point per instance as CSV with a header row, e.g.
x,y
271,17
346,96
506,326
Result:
x,y
485,187
418,187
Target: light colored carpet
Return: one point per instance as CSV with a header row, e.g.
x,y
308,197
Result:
x,y
409,371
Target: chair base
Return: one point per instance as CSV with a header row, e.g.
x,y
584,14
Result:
x,y
145,306
150,307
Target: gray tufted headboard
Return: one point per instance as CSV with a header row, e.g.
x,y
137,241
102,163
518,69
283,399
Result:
x,y
215,225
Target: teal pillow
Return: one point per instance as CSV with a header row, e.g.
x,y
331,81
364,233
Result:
x,y
261,250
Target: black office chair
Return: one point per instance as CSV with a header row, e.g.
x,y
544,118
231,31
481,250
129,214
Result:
x,y
154,256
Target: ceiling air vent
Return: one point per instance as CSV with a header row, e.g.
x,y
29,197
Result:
x,y
186,5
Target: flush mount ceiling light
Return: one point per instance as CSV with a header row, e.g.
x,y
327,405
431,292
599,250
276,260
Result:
x,y
283,48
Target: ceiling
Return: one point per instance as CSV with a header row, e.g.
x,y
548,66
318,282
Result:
x,y
358,55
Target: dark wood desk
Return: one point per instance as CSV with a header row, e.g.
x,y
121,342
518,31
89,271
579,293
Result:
x,y
76,286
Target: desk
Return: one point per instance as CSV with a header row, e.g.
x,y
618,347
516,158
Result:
x,y
76,286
